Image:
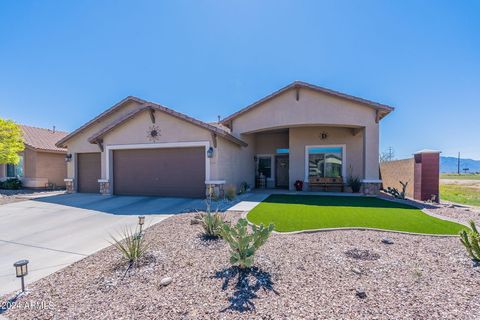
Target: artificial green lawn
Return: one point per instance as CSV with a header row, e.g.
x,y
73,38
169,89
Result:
x,y
306,212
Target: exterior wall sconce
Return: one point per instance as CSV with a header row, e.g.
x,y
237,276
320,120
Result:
x,y
21,270
210,152
68,157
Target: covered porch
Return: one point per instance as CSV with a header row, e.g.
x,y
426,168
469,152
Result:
x,y
322,157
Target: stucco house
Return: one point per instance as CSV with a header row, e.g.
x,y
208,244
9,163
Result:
x,y
42,163
300,132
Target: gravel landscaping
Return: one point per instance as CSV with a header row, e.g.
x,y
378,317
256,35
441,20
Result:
x,y
338,274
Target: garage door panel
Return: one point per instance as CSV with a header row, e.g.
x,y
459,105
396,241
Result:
x,y
178,172
88,172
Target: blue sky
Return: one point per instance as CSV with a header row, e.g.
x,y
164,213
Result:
x,y
63,62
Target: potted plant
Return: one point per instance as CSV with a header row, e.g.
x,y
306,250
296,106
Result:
x,y
298,185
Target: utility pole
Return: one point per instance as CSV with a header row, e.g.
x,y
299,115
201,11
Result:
x,y
390,154
458,164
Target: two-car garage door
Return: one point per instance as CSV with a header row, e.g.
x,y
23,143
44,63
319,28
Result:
x,y
171,172
174,172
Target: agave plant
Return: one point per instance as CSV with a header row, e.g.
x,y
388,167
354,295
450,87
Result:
x,y
471,240
131,245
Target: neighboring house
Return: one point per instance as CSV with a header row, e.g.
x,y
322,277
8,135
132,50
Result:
x,y
300,132
42,162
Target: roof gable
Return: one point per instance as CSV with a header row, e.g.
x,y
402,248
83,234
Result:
x,y
382,109
144,106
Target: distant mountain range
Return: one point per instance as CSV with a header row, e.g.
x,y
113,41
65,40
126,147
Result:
x,y
449,165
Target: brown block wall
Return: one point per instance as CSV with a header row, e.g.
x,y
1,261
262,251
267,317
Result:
x,y
399,170
427,176
422,173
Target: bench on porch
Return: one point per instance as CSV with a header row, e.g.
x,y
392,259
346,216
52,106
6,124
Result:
x,y
324,184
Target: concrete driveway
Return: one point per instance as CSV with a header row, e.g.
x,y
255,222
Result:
x,y
53,232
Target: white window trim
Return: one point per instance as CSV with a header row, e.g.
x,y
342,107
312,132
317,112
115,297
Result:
x,y
110,148
272,164
344,158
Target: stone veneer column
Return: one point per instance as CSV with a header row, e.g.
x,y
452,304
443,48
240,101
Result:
x,y
371,188
104,187
70,185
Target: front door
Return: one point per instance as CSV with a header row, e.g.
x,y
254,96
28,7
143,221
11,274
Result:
x,y
281,171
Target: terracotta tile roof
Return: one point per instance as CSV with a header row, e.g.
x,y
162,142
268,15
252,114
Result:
x,y
382,108
42,139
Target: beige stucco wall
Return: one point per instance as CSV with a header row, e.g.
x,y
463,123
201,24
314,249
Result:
x,y
309,136
79,143
29,163
40,168
51,166
236,164
226,163
320,110
269,142
312,108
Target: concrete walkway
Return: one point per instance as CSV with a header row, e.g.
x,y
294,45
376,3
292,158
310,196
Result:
x,y
54,232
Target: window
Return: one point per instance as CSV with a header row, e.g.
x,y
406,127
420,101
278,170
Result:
x,y
265,166
325,162
15,170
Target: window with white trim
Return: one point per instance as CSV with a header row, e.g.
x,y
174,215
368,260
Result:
x,y
325,162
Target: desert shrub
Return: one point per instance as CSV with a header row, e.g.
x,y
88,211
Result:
x,y
355,183
471,240
243,244
230,192
11,184
132,245
397,194
211,223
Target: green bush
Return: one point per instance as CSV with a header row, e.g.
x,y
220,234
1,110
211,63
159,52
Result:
x,y
11,184
230,192
243,244
132,247
471,240
211,223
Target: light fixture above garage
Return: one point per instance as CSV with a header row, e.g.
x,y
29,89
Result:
x,y
210,152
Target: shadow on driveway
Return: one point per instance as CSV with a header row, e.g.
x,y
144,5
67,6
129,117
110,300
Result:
x,y
126,205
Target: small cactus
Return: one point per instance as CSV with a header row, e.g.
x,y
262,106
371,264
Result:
x,y
243,245
471,240
397,194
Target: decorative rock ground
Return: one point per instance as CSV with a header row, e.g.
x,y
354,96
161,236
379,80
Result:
x,y
299,276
